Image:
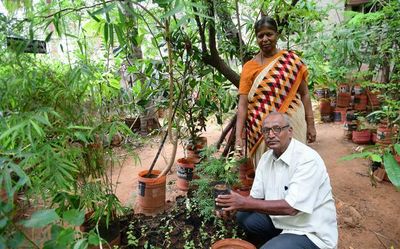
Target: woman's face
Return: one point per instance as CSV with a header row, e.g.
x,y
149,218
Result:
x,y
266,39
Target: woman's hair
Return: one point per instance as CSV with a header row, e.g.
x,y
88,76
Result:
x,y
266,20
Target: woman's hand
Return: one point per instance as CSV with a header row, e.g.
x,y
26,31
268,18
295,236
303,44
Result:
x,y
311,133
238,153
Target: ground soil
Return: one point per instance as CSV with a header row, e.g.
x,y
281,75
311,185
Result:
x,y
368,216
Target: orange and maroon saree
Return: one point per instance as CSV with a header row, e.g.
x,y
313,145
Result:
x,y
275,89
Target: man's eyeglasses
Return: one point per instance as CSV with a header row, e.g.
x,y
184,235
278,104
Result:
x,y
275,129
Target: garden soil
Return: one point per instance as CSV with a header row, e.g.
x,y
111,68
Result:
x,y
368,216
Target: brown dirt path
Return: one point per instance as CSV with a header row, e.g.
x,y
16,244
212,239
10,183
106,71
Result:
x,y
368,216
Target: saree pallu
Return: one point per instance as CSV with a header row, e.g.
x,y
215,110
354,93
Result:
x,y
275,90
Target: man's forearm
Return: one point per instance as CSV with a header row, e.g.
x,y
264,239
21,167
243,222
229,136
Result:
x,y
272,207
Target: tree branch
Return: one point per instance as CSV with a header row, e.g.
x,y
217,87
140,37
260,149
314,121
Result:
x,y
214,59
201,32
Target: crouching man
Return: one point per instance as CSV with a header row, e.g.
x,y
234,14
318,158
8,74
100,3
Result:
x,y
290,204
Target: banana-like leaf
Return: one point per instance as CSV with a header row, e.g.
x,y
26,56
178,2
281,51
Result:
x,y
392,169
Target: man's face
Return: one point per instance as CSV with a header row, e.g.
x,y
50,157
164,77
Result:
x,y
277,133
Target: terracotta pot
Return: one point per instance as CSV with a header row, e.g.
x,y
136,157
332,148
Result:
x,y
201,142
357,89
344,88
339,115
242,190
244,167
151,191
185,167
361,137
248,181
232,244
325,106
360,102
193,151
373,137
384,134
343,100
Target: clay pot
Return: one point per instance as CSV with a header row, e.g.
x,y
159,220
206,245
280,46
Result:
x,y
360,102
361,137
358,89
344,88
373,137
384,134
248,181
232,244
194,151
343,100
201,142
151,191
244,167
325,107
185,167
242,190
339,115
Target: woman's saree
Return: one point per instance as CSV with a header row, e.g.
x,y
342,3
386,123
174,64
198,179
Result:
x,y
275,89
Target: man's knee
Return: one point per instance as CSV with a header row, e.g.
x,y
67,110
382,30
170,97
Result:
x,y
293,241
242,219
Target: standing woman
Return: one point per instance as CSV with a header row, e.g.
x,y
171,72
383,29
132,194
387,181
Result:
x,y
274,80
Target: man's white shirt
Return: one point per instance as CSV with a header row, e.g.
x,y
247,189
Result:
x,y
299,177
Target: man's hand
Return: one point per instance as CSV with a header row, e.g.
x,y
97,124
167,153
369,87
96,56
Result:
x,y
231,202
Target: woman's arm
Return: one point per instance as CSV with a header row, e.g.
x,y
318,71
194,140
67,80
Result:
x,y
305,98
241,118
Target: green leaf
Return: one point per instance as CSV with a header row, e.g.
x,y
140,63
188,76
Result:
x,y
177,8
365,154
104,10
3,222
79,127
106,33
392,169
397,148
93,238
16,240
12,129
48,37
93,16
38,130
74,217
376,158
80,244
41,218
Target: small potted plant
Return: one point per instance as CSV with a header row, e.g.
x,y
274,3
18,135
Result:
x,y
213,171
